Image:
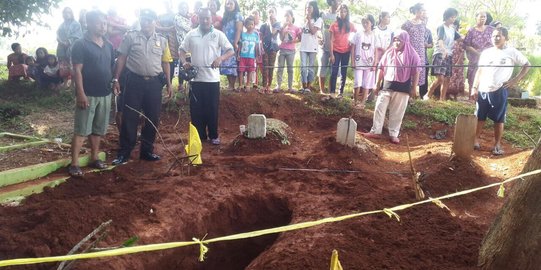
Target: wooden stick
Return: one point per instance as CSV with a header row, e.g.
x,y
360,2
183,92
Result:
x,y
531,139
76,247
419,194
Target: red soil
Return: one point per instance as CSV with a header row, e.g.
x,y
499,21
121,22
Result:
x,y
242,186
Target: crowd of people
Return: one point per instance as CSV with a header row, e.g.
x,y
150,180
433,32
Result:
x,y
139,60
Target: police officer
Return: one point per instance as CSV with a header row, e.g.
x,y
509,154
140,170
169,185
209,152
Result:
x,y
146,56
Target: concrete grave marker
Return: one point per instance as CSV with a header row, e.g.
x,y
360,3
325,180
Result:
x,y
465,126
346,131
257,126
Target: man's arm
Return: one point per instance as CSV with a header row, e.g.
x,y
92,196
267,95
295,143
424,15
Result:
x,y
81,99
120,64
514,81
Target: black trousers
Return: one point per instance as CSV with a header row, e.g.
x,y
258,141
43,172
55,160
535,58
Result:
x,y
204,107
143,96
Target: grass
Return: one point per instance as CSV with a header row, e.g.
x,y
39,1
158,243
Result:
x,y
519,120
18,100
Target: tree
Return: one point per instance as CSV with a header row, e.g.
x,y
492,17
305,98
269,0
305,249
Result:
x,y
246,6
514,239
538,28
17,14
501,10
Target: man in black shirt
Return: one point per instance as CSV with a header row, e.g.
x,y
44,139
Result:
x,y
92,58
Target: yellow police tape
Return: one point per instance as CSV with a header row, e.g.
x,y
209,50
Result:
x,y
203,249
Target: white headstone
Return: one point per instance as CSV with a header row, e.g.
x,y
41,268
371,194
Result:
x,y
257,126
346,131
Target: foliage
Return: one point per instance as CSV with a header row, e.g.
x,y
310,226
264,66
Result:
x,y
532,80
246,6
15,14
501,10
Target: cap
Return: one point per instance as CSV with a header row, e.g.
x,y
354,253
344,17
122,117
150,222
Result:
x,y
148,13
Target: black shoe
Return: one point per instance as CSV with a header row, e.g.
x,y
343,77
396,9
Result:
x,y
120,160
149,157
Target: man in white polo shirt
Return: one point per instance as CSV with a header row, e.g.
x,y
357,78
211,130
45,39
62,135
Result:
x,y
206,45
491,84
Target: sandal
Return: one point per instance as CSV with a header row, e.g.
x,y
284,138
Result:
x,y
394,140
98,164
75,171
497,151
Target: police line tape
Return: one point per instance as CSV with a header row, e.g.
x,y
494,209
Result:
x,y
391,212
362,66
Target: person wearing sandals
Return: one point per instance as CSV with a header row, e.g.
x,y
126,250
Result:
x,y
492,82
247,54
309,45
269,36
232,28
340,48
205,44
398,75
364,59
289,35
93,60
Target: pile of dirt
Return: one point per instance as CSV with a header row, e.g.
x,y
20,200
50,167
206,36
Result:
x,y
247,185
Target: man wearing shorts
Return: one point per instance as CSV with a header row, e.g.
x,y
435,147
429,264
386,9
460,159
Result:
x,y
93,60
491,84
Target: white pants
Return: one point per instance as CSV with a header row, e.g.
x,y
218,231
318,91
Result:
x,y
397,103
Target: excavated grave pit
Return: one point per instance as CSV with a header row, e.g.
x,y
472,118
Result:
x,y
235,215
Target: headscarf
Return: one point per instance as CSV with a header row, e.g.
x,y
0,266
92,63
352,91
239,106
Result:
x,y
393,59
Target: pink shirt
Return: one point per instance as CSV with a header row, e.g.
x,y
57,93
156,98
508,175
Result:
x,y
292,33
341,38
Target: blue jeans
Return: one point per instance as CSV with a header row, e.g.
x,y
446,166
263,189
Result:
x,y
308,73
341,60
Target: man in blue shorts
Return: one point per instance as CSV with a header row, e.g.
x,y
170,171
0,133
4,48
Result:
x,y
492,81
93,60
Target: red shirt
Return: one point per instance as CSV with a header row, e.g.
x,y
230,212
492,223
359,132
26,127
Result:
x,y
341,38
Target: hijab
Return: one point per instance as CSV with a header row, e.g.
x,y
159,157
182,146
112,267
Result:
x,y
393,59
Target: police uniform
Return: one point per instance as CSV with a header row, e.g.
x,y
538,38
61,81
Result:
x,y
144,83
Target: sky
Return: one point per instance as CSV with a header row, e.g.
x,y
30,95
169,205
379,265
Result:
x,y
126,8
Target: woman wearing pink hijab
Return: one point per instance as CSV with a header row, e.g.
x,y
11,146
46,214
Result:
x,y
397,78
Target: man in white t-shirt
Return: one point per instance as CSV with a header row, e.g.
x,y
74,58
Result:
x,y
492,81
205,45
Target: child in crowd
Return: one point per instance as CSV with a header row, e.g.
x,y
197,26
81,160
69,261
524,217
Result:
x,y
269,35
32,70
258,58
51,74
364,60
442,60
340,47
289,35
309,45
248,50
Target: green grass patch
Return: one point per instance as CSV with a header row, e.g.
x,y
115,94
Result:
x,y
519,120
20,99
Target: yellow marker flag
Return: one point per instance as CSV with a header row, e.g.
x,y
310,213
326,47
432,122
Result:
x,y
335,263
194,146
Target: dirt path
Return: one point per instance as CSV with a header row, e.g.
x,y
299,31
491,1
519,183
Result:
x,y
242,187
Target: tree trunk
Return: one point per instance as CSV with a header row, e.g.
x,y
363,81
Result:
x,y
514,239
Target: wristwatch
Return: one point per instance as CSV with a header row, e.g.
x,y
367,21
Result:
x,y
114,80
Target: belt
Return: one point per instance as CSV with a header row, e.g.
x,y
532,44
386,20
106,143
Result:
x,y
146,78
